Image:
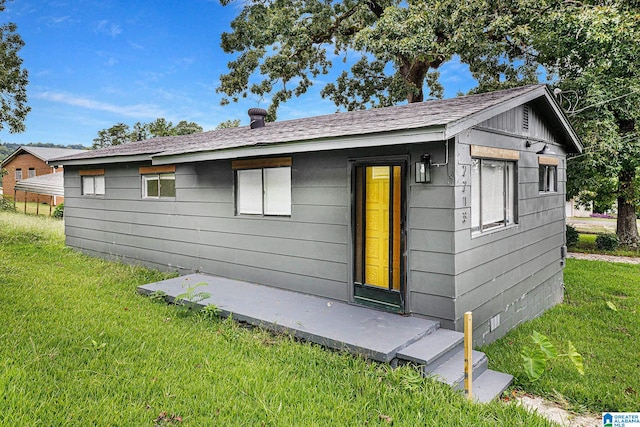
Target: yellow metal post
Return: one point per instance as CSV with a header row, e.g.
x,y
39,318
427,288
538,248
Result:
x,y
468,348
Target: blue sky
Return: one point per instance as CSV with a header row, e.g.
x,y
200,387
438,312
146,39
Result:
x,y
93,64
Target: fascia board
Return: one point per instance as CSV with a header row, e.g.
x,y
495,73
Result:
x,y
361,141
101,160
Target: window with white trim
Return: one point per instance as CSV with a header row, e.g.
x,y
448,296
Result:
x,y
547,174
18,174
93,185
494,197
32,173
264,191
159,185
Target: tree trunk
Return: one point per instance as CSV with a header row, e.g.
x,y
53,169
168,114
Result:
x,y
626,227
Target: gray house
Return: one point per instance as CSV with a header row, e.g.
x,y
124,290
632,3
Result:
x,y
428,209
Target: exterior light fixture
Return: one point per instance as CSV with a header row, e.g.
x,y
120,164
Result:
x,y
423,169
546,150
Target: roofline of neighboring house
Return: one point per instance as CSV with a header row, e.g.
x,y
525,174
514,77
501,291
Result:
x,y
25,149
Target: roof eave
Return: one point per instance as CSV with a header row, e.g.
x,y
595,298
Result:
x,y
412,136
101,160
541,91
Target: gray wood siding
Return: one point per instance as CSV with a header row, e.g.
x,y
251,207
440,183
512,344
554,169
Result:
x,y
199,231
514,121
496,269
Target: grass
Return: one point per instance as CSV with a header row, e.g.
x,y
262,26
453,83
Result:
x,y
33,208
79,346
587,244
607,339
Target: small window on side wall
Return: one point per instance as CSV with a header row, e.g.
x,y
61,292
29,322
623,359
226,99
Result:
x,y
92,182
263,187
158,181
159,185
547,174
18,174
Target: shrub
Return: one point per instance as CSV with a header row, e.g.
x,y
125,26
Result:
x,y
6,203
607,242
58,212
572,236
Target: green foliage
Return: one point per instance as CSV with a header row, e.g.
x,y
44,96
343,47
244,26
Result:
x,y
607,242
605,338
229,124
6,203
209,312
190,296
13,79
58,211
121,133
537,358
158,296
393,49
572,236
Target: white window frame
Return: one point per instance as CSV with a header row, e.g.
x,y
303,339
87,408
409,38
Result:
x,y
18,174
146,178
505,214
263,191
31,173
547,174
97,185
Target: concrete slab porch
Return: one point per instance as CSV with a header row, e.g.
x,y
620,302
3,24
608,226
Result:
x,y
377,335
374,334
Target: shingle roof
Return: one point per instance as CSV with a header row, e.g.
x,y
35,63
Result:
x,y
435,113
43,153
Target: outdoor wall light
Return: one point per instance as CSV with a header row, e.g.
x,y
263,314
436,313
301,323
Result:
x,y
423,169
546,150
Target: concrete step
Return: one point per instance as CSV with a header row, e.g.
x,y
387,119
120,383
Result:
x,y
452,371
490,385
433,349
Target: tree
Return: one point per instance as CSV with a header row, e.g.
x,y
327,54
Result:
x,y
594,48
116,135
121,133
186,128
400,46
160,127
229,124
13,79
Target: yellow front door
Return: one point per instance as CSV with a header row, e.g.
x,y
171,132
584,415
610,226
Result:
x,y
376,255
382,231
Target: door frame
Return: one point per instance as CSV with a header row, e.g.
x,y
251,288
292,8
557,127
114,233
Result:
x,y
369,295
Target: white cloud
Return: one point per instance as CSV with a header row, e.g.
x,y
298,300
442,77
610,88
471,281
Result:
x,y
108,28
136,111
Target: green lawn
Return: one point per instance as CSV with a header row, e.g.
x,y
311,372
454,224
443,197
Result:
x,y
79,346
587,244
607,339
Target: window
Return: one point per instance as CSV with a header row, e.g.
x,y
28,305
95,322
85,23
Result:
x,y
159,185
493,194
18,174
263,186
93,185
32,172
158,181
547,174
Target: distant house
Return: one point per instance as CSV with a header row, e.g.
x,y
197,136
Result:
x,y
428,209
29,162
